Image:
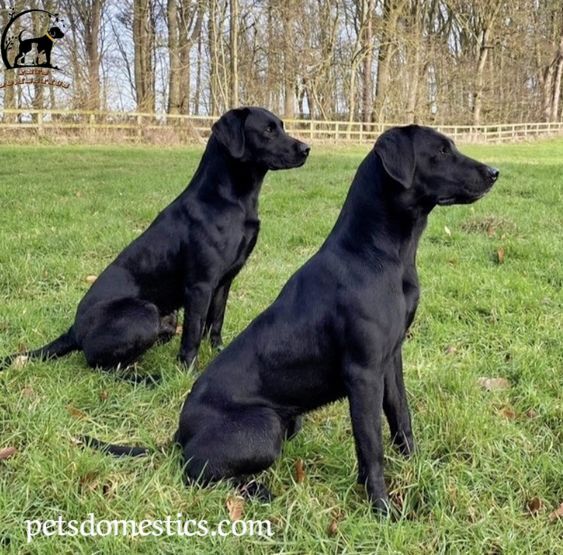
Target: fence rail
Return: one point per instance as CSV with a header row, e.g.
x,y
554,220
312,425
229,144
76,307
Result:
x,y
67,126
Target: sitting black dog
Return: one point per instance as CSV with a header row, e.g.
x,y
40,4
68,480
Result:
x,y
188,256
44,45
337,327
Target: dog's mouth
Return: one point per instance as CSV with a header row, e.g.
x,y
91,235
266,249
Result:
x,y
287,166
446,201
467,198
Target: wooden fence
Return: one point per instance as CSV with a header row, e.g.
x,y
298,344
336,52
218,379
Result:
x,y
58,126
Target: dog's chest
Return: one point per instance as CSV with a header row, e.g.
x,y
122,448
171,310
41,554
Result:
x,y
411,294
246,242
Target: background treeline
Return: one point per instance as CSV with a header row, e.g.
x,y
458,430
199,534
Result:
x,y
435,61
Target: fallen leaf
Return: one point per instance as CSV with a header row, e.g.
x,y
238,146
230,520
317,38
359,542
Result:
x,y
76,413
336,517
235,506
179,329
500,255
494,384
332,529
534,505
299,471
104,395
27,392
508,413
448,231
7,453
531,413
398,499
91,279
450,350
558,513
20,361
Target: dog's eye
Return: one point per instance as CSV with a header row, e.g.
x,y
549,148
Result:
x,y
269,129
444,151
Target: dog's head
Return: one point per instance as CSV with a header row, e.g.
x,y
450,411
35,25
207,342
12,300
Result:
x,y
256,135
429,166
56,33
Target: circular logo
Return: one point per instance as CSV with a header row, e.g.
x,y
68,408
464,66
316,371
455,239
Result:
x,y
23,46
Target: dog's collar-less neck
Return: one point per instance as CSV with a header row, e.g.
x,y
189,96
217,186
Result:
x,y
49,36
371,213
244,178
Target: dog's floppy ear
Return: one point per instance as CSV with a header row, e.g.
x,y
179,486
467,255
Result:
x,y
229,130
396,150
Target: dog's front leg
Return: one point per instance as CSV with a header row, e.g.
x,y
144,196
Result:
x,y
364,387
216,315
395,405
196,307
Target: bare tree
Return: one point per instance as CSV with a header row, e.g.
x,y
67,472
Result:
x,y
233,34
144,44
184,20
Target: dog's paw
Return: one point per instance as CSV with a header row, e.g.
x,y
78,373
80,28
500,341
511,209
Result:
x,y
405,444
187,359
216,342
256,491
381,506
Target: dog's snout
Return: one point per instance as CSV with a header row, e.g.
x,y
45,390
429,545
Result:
x,y
493,173
304,149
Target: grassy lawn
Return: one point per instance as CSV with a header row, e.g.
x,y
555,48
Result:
x,y
491,306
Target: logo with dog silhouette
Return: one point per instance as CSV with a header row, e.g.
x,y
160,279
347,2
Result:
x,y
30,39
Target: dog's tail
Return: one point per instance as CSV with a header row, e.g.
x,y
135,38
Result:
x,y
61,346
112,449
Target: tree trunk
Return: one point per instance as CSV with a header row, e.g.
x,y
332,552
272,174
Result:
x,y
414,72
9,74
557,91
144,43
214,59
197,96
288,13
391,11
367,46
173,58
478,92
233,5
558,74
92,25
38,102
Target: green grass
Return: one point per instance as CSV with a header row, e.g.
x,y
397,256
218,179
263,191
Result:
x,y
66,212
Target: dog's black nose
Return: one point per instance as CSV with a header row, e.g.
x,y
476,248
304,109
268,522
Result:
x,y
493,173
304,149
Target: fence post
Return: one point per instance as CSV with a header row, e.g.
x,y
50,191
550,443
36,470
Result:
x,y
139,126
91,124
311,126
40,129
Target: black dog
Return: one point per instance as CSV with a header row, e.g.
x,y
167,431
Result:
x,y
336,328
44,46
188,256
